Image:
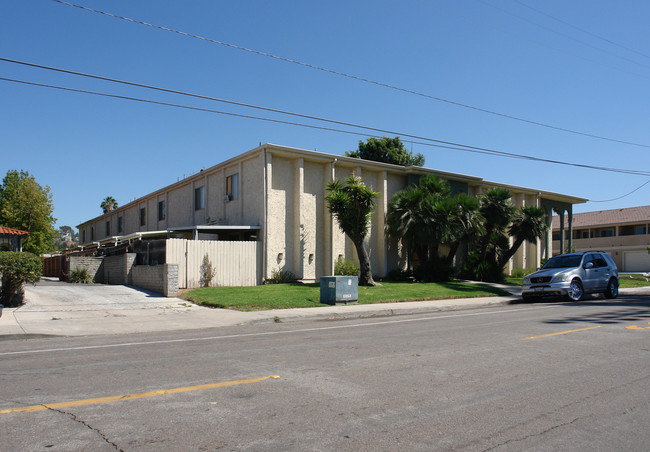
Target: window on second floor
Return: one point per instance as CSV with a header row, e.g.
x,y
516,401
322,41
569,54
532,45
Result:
x,y
199,198
603,232
637,229
232,186
143,216
161,210
108,228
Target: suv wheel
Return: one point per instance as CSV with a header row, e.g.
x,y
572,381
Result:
x,y
575,291
612,289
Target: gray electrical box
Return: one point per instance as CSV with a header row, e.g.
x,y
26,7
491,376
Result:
x,y
339,289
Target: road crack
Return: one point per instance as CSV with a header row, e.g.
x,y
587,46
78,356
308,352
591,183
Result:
x,y
88,426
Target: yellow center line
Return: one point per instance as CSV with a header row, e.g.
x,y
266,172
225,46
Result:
x,y
560,332
141,395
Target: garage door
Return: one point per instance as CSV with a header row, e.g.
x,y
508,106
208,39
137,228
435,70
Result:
x,y
636,261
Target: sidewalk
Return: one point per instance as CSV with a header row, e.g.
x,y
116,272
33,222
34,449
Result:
x,y
54,308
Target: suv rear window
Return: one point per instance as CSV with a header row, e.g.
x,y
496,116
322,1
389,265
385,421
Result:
x,y
599,261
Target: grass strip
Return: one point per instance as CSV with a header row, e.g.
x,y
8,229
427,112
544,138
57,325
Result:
x,y
298,295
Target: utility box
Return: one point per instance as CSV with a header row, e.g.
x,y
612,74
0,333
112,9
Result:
x,y
339,289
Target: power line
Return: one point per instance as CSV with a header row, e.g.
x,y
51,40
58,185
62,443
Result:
x,y
355,77
543,27
429,141
625,195
609,41
540,43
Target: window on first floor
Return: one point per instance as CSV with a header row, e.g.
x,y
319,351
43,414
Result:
x,y
232,186
199,198
143,216
161,210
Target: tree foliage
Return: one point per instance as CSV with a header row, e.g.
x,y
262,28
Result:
x,y
387,150
108,204
352,204
26,205
17,269
425,216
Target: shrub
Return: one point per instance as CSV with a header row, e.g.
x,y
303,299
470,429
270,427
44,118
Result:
x,y
399,275
207,271
487,270
80,275
521,272
345,267
434,270
18,269
281,277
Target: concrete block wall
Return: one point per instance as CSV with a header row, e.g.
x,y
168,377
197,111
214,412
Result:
x,y
94,265
162,279
118,269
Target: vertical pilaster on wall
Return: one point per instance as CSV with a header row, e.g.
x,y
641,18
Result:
x,y
299,186
549,232
240,169
561,231
330,176
570,213
382,209
267,213
206,199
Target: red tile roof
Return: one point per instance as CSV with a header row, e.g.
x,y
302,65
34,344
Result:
x,y
630,215
9,231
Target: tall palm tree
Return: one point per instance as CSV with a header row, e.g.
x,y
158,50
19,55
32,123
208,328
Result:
x,y
496,208
352,205
527,225
108,204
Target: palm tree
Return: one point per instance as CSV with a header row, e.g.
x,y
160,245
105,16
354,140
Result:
x,y
527,225
496,208
108,204
465,225
418,216
352,205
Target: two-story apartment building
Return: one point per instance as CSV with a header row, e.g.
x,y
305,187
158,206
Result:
x,y
276,195
623,233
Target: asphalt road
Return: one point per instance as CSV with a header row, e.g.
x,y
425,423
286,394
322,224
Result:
x,y
543,376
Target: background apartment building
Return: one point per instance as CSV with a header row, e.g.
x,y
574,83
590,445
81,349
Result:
x,y
623,233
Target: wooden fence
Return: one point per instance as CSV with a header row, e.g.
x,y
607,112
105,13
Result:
x,y
235,263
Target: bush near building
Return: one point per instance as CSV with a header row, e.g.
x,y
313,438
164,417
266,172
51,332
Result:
x,y
18,269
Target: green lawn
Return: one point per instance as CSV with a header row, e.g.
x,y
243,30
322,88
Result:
x,y
626,281
296,295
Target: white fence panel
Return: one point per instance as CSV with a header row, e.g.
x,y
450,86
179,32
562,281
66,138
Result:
x,y
234,263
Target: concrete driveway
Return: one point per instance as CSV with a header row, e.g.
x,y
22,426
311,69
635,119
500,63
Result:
x,y
59,308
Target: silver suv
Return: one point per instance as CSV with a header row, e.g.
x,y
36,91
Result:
x,y
573,275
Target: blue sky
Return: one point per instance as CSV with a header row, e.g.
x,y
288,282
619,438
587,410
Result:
x,y
503,56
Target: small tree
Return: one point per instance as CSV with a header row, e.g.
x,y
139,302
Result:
x,y
26,205
207,271
352,205
18,269
387,150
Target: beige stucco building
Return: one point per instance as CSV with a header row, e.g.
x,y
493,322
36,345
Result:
x,y
623,233
276,195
